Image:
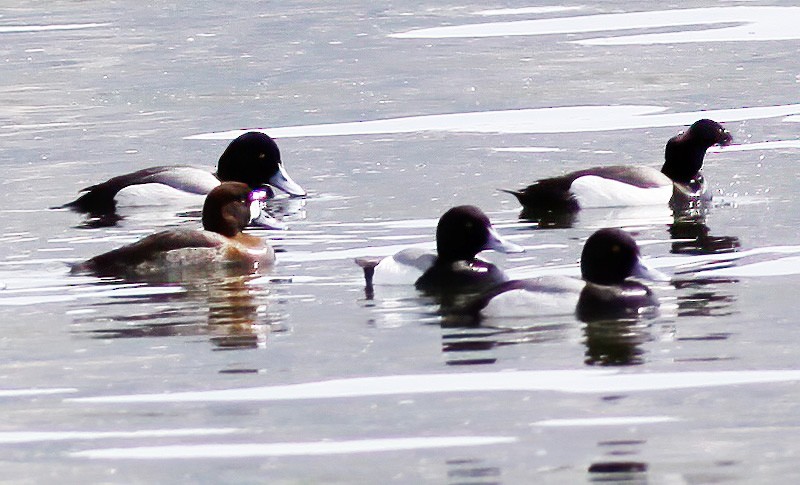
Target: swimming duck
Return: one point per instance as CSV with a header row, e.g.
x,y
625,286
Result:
x,y
253,158
609,258
680,178
462,232
226,211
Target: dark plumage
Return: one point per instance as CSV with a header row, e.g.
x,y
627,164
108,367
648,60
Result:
x,y
226,212
609,258
683,159
463,232
253,158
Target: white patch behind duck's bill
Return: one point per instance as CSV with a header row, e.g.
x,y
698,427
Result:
x,y
570,381
592,191
563,119
314,448
755,24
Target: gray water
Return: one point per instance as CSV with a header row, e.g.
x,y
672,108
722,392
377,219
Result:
x,y
114,381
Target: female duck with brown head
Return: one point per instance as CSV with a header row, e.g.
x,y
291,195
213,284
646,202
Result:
x,y
227,210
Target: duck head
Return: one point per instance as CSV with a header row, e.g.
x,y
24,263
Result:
x,y
610,256
254,159
227,210
464,231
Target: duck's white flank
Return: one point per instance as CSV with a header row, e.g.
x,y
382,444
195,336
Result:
x,y
593,191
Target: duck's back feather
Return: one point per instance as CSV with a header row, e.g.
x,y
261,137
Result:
x,y
101,197
557,193
126,257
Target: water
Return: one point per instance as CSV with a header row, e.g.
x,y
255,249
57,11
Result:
x,y
298,375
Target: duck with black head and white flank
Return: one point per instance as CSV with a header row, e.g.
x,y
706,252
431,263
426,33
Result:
x,y
680,178
226,212
461,233
253,159
610,264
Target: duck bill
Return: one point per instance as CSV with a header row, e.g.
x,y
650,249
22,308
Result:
x,y
643,271
725,138
282,181
497,243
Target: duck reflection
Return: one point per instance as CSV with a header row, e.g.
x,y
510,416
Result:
x,y
472,470
692,236
704,297
227,310
615,342
631,472
549,219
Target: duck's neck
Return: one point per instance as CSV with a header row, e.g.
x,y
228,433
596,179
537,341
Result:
x,y
683,160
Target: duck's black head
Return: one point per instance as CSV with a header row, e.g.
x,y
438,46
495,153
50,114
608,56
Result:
x,y
464,231
254,159
612,255
684,154
226,210
709,133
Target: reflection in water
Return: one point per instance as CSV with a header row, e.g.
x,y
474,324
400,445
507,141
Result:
x,y
618,472
704,298
232,313
548,219
472,471
615,342
693,236
289,208
464,343
615,330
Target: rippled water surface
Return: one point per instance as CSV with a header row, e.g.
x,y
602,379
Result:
x,y
389,115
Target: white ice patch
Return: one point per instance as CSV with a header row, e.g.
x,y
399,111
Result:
x,y
763,145
609,421
779,267
563,119
9,437
8,29
527,149
571,381
593,191
526,10
318,448
755,23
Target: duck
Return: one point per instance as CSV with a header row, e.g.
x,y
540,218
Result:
x,y
461,233
226,212
253,159
679,181
609,259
